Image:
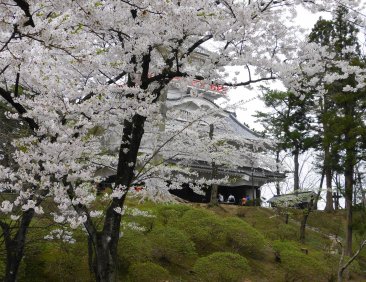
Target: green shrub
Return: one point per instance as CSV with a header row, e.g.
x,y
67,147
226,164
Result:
x,y
55,261
134,247
280,246
354,267
221,266
332,263
2,265
171,214
286,232
243,238
306,267
300,266
194,215
205,229
172,245
147,272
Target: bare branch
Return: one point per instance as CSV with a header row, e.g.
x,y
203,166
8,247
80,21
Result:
x,y
4,69
345,266
250,81
10,38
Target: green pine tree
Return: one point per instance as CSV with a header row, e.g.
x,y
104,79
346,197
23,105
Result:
x,y
289,124
341,114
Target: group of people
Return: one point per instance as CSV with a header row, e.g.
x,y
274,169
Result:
x,y
231,199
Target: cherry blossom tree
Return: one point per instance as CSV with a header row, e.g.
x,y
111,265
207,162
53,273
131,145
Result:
x,y
78,72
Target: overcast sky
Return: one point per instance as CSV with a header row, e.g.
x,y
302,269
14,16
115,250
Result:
x,y
306,20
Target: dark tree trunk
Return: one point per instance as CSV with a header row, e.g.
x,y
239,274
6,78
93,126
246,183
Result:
x,y
91,255
278,190
336,201
214,187
296,170
305,219
14,247
213,199
363,197
338,187
303,227
354,198
105,259
328,181
315,206
349,166
348,175
362,190
106,241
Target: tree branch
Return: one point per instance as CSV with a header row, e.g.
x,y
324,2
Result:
x,y
10,38
4,69
196,44
344,267
250,81
19,108
25,7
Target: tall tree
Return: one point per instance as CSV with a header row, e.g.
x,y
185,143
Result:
x,y
342,107
288,123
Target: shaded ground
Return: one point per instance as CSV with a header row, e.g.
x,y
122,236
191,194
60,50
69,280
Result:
x,y
177,243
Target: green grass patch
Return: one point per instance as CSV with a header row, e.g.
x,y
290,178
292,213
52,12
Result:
x,y
197,243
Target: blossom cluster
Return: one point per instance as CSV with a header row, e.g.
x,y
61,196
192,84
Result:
x,y
77,73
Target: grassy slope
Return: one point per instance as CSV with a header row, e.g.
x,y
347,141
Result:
x,y
180,235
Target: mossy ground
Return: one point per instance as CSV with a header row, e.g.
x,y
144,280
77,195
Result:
x,y
180,242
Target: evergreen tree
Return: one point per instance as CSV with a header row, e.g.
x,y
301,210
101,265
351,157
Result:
x,y
289,124
341,112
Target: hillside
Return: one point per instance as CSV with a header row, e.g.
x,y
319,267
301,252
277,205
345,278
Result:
x,y
198,243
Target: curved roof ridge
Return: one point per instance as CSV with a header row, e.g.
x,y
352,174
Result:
x,y
231,114
233,117
189,96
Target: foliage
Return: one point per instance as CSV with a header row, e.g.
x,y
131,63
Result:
x,y
280,246
172,214
328,223
287,120
284,232
289,124
300,266
172,245
134,247
222,266
56,260
343,111
208,232
213,232
147,272
244,239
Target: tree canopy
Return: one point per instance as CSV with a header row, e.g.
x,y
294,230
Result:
x,y
72,69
